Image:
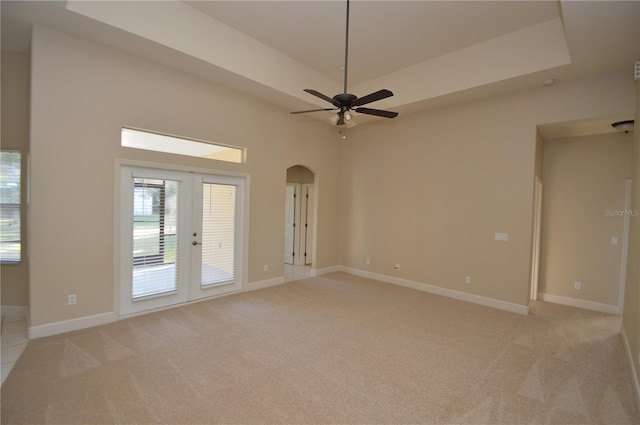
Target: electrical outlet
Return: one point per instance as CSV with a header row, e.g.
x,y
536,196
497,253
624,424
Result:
x,y
467,280
396,267
577,285
72,299
266,268
368,261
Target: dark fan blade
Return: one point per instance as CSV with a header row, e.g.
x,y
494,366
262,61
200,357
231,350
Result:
x,y
313,110
377,112
321,96
380,94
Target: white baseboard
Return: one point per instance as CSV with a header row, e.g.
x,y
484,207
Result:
x,y
252,286
632,363
451,293
104,318
71,325
14,311
326,270
574,302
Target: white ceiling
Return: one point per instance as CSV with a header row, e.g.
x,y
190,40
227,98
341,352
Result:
x,y
427,52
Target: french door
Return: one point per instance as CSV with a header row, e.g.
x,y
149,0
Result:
x,y
181,237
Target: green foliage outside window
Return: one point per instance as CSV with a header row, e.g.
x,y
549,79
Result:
x,y
10,235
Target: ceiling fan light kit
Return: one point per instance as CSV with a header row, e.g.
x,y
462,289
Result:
x,y
346,103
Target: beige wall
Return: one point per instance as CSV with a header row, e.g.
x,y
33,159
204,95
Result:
x,y
299,174
631,315
430,190
582,208
539,154
15,135
82,94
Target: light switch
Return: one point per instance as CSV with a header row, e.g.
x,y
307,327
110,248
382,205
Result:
x,y
502,237
615,240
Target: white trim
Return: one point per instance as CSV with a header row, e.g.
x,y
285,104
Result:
x,y
177,167
172,306
450,293
252,286
574,302
14,311
326,270
537,232
71,325
634,372
117,194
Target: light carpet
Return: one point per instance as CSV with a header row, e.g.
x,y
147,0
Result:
x,y
330,349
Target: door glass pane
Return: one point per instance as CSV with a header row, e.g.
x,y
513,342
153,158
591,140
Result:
x,y
155,219
10,177
10,233
10,206
218,233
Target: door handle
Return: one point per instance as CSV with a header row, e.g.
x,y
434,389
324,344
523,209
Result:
x,y
194,243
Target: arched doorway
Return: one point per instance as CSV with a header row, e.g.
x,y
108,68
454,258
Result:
x,y
299,241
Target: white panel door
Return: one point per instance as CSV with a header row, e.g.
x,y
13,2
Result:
x,y
306,228
290,219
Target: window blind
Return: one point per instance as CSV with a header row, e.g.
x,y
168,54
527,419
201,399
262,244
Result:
x,y
10,233
155,232
218,233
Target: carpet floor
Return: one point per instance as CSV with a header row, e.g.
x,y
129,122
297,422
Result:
x,y
330,349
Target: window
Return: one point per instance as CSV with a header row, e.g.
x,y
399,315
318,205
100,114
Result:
x,y
10,235
178,145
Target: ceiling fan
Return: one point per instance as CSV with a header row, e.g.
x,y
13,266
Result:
x,y
345,102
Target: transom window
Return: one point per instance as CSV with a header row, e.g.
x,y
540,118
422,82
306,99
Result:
x,y
147,140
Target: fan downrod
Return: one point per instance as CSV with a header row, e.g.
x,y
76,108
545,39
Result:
x,y
345,102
